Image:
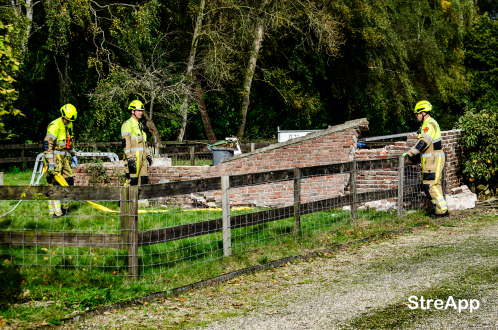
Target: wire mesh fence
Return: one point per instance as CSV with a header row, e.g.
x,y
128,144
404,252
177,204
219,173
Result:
x,y
153,233
84,239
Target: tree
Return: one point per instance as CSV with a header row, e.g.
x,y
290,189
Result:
x,y
481,47
317,27
143,69
8,67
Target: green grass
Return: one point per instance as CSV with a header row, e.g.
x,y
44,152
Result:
x,y
79,278
20,179
175,161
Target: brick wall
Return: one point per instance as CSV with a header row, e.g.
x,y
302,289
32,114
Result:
x,y
334,145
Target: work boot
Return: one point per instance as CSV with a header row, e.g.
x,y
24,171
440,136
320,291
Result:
x,y
66,212
56,216
439,216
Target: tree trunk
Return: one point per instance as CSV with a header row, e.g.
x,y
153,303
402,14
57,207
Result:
x,y
204,115
251,67
155,133
29,17
190,66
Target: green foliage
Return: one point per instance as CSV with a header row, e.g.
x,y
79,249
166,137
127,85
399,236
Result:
x,y
8,67
395,53
99,175
95,299
13,169
481,130
481,47
11,281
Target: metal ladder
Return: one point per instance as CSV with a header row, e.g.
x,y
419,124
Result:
x,y
38,169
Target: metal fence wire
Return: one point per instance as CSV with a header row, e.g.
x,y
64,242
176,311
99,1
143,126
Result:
x,y
151,233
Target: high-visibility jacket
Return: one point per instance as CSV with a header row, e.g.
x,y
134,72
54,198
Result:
x,y
134,142
429,147
59,140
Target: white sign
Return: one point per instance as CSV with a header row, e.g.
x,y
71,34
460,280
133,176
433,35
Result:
x,y
284,136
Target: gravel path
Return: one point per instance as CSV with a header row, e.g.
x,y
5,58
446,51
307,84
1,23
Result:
x,y
372,282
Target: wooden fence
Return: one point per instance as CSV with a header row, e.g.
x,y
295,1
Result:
x,y
131,238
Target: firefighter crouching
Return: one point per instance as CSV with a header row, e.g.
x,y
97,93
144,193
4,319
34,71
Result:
x,y
432,156
134,142
58,148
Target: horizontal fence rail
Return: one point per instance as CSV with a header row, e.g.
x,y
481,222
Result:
x,y
182,153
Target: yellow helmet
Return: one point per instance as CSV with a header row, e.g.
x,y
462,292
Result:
x,y
136,105
423,106
68,111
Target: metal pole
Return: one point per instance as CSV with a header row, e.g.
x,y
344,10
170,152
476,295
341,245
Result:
x,y
253,146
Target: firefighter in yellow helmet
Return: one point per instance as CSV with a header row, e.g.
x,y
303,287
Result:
x,y
134,142
432,155
58,148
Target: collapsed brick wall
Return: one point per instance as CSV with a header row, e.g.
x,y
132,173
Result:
x,y
334,145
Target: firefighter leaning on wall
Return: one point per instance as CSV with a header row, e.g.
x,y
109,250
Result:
x,y
432,156
134,143
58,145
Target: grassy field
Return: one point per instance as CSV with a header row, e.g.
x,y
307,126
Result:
x,y
57,281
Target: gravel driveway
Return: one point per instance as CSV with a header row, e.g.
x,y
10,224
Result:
x,y
365,287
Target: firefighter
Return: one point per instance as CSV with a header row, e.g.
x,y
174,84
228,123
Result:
x,y
58,146
134,142
432,157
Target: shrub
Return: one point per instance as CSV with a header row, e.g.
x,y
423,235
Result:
x,y
481,141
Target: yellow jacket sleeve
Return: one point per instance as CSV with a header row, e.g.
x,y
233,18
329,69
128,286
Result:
x,y
425,139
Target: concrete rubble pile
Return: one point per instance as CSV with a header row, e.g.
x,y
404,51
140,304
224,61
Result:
x,y
461,198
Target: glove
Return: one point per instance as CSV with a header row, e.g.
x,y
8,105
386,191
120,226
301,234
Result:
x,y
75,161
149,160
132,165
51,168
404,154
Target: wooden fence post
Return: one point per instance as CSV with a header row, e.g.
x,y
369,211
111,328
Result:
x,y
354,196
297,200
401,179
22,156
225,210
133,238
125,222
192,155
253,146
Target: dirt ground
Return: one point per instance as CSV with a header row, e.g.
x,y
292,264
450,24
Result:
x,y
364,287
